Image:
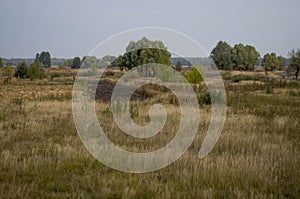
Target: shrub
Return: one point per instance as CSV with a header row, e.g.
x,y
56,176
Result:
x,y
9,70
194,76
238,78
21,70
109,73
204,99
36,71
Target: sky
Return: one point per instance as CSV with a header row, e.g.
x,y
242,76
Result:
x,y
69,28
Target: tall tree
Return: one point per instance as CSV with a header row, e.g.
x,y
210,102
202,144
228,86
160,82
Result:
x,y
282,62
143,51
295,61
44,58
239,57
252,57
244,57
270,62
1,63
221,55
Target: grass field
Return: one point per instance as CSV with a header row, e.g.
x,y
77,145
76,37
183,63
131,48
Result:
x,y
257,155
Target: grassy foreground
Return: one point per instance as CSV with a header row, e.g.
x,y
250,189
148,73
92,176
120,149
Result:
x,y
257,155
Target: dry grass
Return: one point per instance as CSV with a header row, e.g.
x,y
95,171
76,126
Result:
x,y
257,155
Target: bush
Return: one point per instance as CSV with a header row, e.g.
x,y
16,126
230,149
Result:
x,y
109,73
204,99
9,70
21,70
194,77
238,78
36,71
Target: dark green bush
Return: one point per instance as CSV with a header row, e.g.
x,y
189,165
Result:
x,y
204,99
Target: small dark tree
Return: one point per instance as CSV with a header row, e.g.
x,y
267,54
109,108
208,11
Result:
x,y
21,70
1,63
76,63
295,61
178,66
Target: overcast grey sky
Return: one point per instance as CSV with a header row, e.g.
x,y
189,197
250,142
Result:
x,y
69,28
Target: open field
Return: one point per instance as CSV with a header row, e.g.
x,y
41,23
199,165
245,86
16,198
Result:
x,y
257,155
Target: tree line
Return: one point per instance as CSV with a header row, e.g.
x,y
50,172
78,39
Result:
x,y
239,57
244,57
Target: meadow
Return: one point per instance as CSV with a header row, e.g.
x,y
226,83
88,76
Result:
x,y
257,155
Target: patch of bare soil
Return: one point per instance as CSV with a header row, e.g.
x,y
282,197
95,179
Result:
x,y
105,89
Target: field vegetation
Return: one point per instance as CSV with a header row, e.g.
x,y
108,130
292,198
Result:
x,y
257,155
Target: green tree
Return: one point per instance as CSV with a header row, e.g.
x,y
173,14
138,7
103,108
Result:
x,y
252,57
119,62
244,57
44,58
239,57
143,51
178,66
9,70
76,63
1,63
107,61
66,64
88,61
270,62
21,70
282,62
194,77
221,55
145,43
36,71
295,61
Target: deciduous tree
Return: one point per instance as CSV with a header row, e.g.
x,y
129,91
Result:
x,y
76,63
270,62
221,55
244,57
143,51
178,66
1,63
295,61
44,58
36,71
282,62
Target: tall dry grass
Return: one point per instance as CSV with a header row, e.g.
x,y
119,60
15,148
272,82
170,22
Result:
x,y
257,155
